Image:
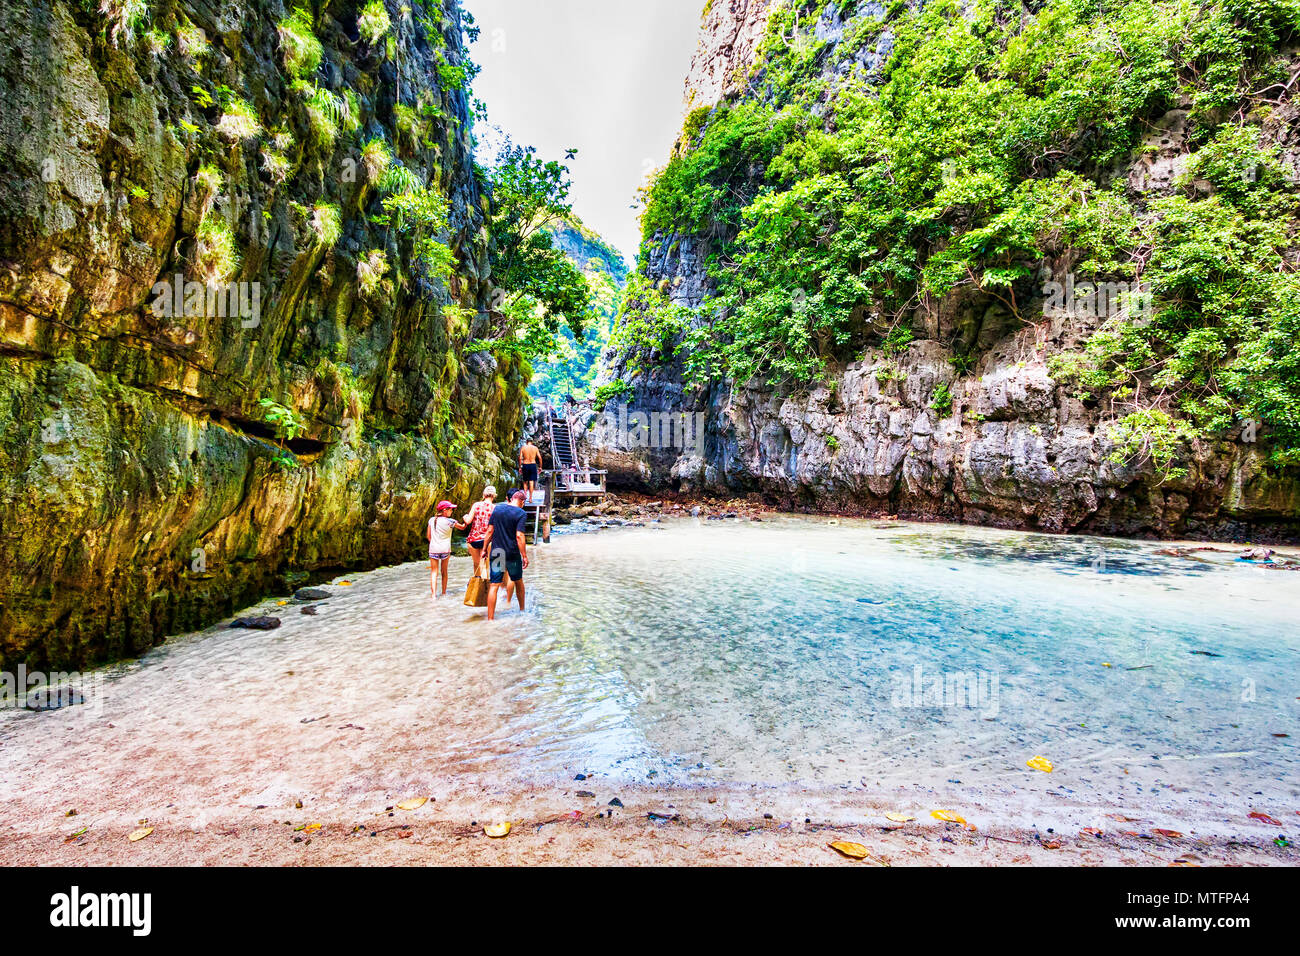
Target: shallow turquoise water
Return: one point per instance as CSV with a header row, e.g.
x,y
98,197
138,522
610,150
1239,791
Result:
x,y
795,650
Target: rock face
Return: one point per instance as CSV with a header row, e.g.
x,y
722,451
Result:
x,y
906,432
729,34
143,486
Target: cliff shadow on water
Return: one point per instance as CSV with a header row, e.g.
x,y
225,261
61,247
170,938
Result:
x,y
231,360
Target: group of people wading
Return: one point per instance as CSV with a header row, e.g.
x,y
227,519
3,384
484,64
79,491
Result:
x,y
496,534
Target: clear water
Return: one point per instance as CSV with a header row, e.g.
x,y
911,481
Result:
x,y
781,652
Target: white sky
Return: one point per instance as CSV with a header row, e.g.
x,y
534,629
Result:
x,y
604,77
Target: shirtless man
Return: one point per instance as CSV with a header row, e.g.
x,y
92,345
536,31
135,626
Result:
x,y
530,463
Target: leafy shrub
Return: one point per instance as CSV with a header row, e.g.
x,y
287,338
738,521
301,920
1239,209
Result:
x,y
373,24
238,121
302,51
371,271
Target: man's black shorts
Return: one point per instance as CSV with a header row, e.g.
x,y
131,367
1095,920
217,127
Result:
x,y
503,564
528,473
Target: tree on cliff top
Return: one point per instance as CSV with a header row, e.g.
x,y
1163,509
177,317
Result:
x,y
538,288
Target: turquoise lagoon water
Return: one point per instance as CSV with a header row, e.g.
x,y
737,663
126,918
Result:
x,y
874,653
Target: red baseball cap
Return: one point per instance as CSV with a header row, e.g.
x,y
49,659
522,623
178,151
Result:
x,y
444,504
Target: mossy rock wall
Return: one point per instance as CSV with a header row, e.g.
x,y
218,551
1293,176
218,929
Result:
x,y
140,491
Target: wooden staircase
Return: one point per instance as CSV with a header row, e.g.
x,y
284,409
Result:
x,y
567,475
563,450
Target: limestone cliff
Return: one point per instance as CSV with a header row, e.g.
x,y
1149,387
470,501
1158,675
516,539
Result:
x,y
159,468
963,421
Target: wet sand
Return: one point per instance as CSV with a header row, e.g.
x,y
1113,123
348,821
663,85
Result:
x,y
717,827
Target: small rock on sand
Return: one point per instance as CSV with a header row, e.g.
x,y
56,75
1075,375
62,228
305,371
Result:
x,y
256,623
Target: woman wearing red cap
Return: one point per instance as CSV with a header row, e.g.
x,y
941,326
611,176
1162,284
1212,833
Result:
x,y
441,526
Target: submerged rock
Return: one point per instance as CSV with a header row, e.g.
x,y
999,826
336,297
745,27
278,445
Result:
x,y
256,623
312,594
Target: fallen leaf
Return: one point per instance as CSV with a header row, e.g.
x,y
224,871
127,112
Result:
x,y
497,829
1051,844
1039,763
951,817
140,834
344,584
854,851
1123,819
1091,831
413,804
899,817
1172,834
1265,818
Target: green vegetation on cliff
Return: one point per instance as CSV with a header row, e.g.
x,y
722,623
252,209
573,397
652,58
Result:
x,y
572,366
996,144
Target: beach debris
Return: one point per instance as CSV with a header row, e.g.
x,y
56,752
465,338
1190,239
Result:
x,y
1206,653
497,830
312,720
310,610
899,817
1187,859
413,804
1091,831
1050,844
1256,554
307,828
140,834
616,802
1281,841
581,776
1039,763
949,816
586,793
256,623
854,851
76,836
1171,834
1264,818
311,594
